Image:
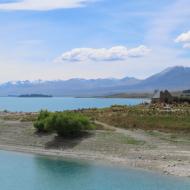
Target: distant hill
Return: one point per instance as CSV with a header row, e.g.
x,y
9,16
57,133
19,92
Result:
x,y
34,96
72,87
130,95
175,78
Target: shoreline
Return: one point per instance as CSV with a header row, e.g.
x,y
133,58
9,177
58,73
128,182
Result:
x,y
160,152
145,165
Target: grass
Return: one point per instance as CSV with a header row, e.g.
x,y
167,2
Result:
x,y
25,117
146,117
118,138
143,117
171,137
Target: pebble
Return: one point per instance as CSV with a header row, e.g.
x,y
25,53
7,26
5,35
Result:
x,y
140,157
166,172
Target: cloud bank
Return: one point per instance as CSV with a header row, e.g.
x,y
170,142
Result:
x,y
43,5
116,53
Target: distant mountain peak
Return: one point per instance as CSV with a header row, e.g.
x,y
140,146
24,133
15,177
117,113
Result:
x,y
172,78
175,68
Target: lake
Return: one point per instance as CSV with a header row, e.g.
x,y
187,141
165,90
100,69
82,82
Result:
x,y
59,104
30,172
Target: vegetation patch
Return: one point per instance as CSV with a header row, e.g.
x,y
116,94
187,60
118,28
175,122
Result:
x,y
144,117
118,138
67,124
23,117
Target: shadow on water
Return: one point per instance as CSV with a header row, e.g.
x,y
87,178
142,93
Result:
x,y
60,168
66,142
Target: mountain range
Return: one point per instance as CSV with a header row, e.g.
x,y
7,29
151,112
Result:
x,y
174,78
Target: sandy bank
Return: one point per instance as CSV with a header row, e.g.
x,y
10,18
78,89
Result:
x,y
125,148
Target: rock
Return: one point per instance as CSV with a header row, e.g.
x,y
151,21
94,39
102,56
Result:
x,y
163,157
166,172
140,157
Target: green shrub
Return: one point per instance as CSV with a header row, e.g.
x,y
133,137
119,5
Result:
x,y
43,121
71,124
63,123
39,125
43,114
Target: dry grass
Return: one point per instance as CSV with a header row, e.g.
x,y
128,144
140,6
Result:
x,y
144,117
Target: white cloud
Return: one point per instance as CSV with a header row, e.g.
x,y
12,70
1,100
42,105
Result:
x,y
43,5
184,37
116,53
166,21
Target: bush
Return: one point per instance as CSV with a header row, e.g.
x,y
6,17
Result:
x,y
63,123
42,123
71,124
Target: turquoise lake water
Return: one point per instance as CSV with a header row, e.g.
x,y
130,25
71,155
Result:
x,y
60,104
29,172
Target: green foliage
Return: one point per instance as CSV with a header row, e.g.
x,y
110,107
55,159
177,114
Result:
x,y
63,123
43,114
144,117
43,121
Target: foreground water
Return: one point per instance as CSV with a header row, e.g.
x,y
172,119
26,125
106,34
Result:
x,y
60,104
29,172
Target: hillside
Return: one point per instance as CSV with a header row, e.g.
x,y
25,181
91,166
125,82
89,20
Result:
x,y
175,78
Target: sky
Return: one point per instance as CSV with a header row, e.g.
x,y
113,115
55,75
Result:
x,y
63,39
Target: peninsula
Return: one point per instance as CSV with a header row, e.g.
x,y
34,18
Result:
x,y
34,96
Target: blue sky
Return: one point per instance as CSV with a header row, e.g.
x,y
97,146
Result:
x,y
92,38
